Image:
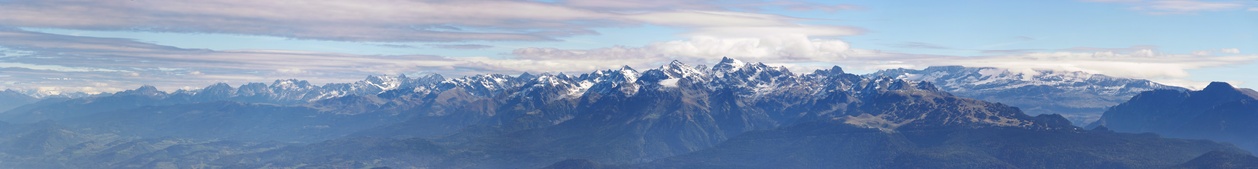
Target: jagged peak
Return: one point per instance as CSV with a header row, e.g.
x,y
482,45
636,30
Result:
x,y
728,64
832,71
676,63
626,67
677,69
437,77
291,83
254,85
527,75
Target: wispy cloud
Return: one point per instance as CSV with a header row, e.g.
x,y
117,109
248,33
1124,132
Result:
x,y
367,20
124,62
919,45
460,46
1177,6
379,20
1230,50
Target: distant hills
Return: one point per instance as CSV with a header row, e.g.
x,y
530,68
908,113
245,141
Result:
x,y
732,114
10,99
1218,112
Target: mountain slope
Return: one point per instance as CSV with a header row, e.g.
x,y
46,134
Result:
x,y
1221,160
1080,96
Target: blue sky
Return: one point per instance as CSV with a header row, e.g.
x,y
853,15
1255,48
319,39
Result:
x,y
107,46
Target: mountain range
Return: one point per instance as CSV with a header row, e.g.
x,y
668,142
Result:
x,y
733,114
1079,96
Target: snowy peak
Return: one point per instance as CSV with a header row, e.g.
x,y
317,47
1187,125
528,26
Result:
x,y
291,84
728,65
382,83
608,81
676,69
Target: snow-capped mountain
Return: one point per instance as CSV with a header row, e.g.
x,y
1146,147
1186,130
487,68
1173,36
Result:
x,y
1079,96
40,94
622,116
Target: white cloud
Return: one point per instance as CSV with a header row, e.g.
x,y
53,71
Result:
x,y
1201,53
710,18
1230,50
702,48
290,71
1191,5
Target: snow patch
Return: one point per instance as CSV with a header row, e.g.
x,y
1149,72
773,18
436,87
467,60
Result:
x,y
562,119
879,122
580,89
988,72
670,82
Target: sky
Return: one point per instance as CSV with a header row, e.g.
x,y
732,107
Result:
x,y
58,46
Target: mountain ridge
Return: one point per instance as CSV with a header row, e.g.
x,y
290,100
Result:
x,y
1080,96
